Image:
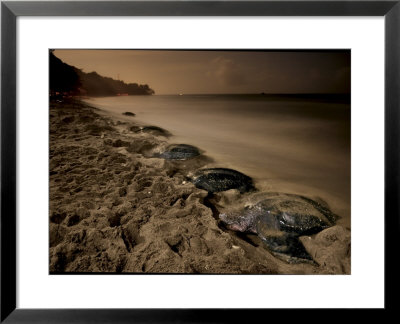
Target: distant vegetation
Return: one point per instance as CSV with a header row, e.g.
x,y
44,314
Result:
x,y
97,85
67,79
63,77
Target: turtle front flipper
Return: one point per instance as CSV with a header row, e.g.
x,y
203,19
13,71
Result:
x,y
288,247
282,244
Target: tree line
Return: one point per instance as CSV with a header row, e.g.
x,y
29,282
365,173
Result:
x,y
69,80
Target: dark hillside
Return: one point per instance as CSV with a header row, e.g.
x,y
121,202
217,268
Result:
x,y
97,85
67,79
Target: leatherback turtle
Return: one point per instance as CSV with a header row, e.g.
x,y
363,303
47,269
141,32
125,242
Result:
x,y
222,179
179,152
279,219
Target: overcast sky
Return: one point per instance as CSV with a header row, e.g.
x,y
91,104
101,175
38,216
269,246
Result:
x,y
194,72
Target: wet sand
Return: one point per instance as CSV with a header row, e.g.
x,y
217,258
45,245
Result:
x,y
116,209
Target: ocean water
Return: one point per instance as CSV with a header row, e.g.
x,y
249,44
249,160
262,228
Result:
x,y
290,144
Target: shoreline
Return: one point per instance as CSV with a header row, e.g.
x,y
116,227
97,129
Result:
x,y
262,148
116,209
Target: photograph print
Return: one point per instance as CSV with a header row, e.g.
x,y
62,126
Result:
x,y
199,161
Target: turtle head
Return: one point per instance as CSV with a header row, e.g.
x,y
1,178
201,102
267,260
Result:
x,y
236,221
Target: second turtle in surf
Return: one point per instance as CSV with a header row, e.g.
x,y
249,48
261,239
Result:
x,y
222,179
154,130
179,152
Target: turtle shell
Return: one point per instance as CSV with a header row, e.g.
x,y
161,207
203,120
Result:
x,y
222,179
155,130
180,152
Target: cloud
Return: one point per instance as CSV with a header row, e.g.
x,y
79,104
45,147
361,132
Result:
x,y
227,72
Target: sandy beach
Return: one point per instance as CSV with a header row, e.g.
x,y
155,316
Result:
x,y
115,208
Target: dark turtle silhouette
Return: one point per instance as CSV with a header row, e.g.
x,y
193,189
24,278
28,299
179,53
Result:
x,y
279,219
221,179
128,113
155,130
179,152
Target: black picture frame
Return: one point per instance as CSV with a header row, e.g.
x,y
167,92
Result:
x,y
10,10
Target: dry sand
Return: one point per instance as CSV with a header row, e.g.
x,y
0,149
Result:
x,y
114,208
